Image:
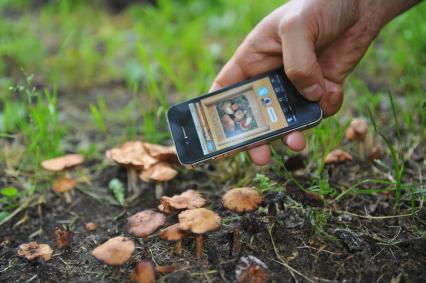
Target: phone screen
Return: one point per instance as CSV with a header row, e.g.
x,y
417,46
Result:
x,y
242,113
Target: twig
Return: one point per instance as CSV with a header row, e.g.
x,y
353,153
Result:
x,y
376,217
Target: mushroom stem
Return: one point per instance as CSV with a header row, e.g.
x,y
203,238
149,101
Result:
x,y
67,174
199,244
116,271
67,197
179,247
159,189
361,149
132,178
236,240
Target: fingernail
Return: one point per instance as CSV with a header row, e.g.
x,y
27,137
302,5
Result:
x,y
313,92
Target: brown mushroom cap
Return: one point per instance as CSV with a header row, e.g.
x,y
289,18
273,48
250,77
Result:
x,y
357,129
63,185
189,199
242,200
115,251
160,152
33,250
144,273
90,226
63,162
131,154
337,155
173,233
158,172
144,223
199,220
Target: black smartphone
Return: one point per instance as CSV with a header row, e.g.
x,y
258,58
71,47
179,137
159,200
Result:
x,y
238,117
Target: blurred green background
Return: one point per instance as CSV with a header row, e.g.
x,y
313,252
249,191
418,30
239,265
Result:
x,y
94,73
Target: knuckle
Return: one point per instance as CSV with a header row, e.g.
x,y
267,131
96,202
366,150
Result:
x,y
298,73
289,23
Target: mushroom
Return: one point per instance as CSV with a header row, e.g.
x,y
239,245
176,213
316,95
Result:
x,y
189,199
90,226
239,115
235,106
251,269
227,108
64,163
228,123
144,273
174,234
116,251
63,238
64,185
160,172
240,200
160,152
246,123
34,250
134,156
336,156
199,221
357,131
144,223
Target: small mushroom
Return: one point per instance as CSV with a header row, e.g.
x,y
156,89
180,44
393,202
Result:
x,y
189,199
239,115
228,123
160,172
336,156
357,131
64,185
144,223
33,250
62,163
160,152
250,269
90,226
115,251
174,234
144,273
199,221
134,156
63,238
227,108
240,200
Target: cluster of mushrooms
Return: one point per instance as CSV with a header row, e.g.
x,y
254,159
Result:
x,y
356,132
193,219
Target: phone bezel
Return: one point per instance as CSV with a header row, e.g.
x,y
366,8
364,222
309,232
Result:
x,y
201,158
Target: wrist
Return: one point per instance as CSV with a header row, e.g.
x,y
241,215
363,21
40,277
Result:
x,y
386,10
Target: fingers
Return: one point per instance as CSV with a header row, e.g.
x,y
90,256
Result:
x,y
262,154
333,98
300,60
231,73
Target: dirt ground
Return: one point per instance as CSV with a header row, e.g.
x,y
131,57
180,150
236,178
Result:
x,y
346,248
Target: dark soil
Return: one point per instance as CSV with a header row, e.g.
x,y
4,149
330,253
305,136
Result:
x,y
322,241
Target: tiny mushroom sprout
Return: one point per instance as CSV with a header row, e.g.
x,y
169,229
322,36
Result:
x,y
241,200
160,172
189,199
134,156
144,223
33,250
64,163
199,221
357,131
115,251
64,185
174,234
336,156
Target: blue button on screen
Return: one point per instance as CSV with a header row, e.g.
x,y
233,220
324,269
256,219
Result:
x,y
262,91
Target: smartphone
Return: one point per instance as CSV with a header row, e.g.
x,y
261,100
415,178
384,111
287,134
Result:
x,y
239,117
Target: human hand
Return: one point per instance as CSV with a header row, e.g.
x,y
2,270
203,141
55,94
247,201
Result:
x,y
319,42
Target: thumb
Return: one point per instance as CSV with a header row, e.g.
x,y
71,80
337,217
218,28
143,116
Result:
x,y
300,61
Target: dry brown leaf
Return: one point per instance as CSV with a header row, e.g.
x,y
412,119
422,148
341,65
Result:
x,y
33,250
63,238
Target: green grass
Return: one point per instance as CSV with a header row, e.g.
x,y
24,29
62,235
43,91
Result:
x,y
155,56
